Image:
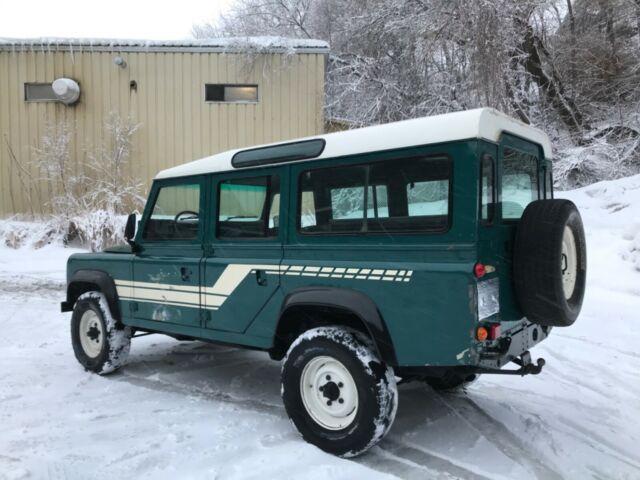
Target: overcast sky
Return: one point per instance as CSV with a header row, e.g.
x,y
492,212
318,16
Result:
x,y
145,19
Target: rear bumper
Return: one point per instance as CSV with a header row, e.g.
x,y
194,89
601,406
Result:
x,y
511,345
489,357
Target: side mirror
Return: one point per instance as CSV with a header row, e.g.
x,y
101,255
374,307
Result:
x,y
130,229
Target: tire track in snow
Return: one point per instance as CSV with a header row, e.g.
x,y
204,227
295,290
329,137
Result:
x,y
499,435
411,462
599,443
599,345
215,395
394,458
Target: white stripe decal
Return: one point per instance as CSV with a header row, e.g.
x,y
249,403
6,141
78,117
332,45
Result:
x,y
232,276
177,304
158,286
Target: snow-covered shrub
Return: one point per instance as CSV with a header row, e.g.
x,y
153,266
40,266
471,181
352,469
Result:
x,y
16,233
89,200
603,158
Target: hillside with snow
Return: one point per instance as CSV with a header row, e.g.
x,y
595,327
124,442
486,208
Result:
x,y
194,410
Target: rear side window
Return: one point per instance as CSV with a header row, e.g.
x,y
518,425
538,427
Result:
x,y
248,208
519,182
399,195
487,189
175,214
548,183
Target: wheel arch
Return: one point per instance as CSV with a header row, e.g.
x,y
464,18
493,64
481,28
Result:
x,y
83,281
310,307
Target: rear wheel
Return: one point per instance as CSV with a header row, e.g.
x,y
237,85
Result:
x,y
340,396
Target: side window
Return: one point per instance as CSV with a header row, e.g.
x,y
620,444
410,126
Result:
x,y
548,183
428,198
487,189
348,202
248,208
307,210
175,214
519,182
398,195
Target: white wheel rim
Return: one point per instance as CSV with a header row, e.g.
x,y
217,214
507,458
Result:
x,y
91,334
569,261
329,393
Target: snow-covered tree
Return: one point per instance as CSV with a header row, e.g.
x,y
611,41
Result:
x,y
567,65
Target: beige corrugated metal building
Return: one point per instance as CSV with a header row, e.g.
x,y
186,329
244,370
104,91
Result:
x,y
259,90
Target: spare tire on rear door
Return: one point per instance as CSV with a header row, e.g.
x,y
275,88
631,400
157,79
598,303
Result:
x,y
550,262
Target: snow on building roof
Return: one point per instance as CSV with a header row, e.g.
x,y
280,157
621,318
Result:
x,y
223,45
485,123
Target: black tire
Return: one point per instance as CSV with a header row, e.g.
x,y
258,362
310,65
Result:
x,y
374,382
112,340
451,381
539,263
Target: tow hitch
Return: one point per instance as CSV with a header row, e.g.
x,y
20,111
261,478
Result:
x,y
527,367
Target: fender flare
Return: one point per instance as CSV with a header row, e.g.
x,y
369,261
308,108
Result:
x,y
353,301
101,280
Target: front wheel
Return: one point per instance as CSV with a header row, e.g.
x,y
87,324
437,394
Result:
x,y
338,393
100,344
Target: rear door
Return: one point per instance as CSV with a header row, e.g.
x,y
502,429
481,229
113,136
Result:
x,y
512,176
244,247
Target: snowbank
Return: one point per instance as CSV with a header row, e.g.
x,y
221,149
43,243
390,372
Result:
x,y
611,212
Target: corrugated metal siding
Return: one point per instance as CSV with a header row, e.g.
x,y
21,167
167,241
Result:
x,y
177,125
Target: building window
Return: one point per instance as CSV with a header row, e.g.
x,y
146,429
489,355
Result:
x,y
214,92
39,92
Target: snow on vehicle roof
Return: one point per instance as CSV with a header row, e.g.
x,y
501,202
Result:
x,y
264,44
485,123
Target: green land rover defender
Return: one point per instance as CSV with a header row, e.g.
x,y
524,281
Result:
x,y
428,249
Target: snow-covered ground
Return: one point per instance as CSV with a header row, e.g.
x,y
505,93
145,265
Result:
x,y
193,410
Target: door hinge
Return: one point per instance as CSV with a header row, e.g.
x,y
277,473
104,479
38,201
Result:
x,y
206,316
133,307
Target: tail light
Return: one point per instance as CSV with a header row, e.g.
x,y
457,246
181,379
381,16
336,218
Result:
x,y
482,334
492,332
479,270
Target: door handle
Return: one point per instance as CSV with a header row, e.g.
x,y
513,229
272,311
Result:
x,y
261,278
185,274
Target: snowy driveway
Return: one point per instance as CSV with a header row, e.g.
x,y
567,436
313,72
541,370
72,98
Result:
x,y
193,410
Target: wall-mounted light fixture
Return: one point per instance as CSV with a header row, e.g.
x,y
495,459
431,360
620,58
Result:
x,y
67,90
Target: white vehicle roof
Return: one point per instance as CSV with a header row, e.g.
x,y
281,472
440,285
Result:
x,y
484,123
